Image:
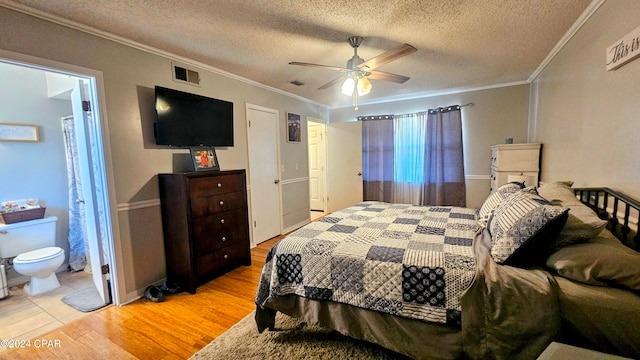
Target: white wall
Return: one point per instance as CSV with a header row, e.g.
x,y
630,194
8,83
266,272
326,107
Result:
x,y
34,169
587,117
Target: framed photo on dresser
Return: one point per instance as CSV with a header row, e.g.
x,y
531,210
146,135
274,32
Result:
x,y
204,158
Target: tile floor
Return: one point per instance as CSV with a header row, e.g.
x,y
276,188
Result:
x,y
27,317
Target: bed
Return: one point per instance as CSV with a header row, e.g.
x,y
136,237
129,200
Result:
x,y
438,282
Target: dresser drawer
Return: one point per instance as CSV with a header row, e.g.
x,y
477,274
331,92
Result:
x,y
502,177
207,186
217,240
516,157
203,206
205,226
222,260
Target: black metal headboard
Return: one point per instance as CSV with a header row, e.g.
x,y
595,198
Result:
x,y
614,206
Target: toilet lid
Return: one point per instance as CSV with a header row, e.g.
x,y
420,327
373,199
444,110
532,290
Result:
x,y
38,255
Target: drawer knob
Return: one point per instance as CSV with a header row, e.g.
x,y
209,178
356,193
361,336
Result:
x,y
221,202
224,238
219,185
226,256
221,221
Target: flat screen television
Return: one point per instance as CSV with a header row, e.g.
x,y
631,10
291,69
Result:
x,y
184,119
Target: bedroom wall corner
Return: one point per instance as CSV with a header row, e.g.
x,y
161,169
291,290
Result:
x,y
587,117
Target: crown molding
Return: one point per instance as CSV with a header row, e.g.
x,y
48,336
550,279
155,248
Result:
x,y
586,14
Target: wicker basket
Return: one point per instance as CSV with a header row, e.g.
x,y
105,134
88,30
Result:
x,y
23,215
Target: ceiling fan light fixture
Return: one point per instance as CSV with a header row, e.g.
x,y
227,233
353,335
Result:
x,y
348,86
361,84
364,86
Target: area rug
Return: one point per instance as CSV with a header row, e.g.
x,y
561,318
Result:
x,y
85,300
292,339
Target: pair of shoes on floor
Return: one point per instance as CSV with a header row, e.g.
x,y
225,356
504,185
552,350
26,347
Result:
x,y
154,293
169,287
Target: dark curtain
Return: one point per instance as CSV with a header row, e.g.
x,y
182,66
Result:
x,y
377,159
444,161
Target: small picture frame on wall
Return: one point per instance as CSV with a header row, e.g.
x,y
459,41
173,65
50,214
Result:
x,y
204,158
18,132
294,130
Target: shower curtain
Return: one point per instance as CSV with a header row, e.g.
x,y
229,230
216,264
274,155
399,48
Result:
x,y
78,240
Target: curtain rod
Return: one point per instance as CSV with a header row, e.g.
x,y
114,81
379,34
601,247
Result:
x,y
390,116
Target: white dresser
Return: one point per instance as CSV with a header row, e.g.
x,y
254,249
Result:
x,y
514,159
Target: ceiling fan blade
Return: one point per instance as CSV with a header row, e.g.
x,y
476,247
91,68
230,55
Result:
x,y
331,83
336,68
386,57
381,75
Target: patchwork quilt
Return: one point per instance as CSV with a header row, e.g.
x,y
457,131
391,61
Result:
x,y
405,260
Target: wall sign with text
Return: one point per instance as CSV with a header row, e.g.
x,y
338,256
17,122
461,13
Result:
x,y
624,50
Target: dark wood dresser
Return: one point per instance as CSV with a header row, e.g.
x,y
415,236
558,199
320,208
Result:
x,y
205,225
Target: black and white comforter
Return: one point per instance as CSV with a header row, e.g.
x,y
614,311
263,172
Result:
x,y
409,261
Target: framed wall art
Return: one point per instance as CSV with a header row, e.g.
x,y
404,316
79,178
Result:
x,y
18,132
294,131
204,158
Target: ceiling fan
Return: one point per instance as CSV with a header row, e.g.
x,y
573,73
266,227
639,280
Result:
x,y
358,72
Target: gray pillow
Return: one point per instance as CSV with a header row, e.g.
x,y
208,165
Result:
x,y
582,224
522,227
603,261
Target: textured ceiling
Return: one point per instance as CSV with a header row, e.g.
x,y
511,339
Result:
x,y
461,43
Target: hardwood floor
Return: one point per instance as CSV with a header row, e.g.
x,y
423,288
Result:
x,y
173,329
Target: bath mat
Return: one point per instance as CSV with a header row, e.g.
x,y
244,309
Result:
x,y
85,300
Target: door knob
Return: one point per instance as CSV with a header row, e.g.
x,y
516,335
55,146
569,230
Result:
x,y
276,181
359,173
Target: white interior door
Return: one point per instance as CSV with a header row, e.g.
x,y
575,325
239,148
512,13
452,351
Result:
x,y
344,164
81,119
316,166
264,174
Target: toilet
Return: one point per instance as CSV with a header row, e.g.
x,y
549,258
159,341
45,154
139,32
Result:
x,y
32,244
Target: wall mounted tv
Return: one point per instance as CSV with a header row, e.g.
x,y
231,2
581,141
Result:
x,y
184,119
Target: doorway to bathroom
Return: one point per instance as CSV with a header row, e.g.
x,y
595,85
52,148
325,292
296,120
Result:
x,y
36,167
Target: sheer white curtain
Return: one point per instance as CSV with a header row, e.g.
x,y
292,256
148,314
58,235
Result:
x,y
408,174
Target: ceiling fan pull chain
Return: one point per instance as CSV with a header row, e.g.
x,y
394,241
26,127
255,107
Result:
x,y
355,96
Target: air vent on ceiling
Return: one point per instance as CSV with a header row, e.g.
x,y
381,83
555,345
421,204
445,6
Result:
x,y
296,82
182,73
